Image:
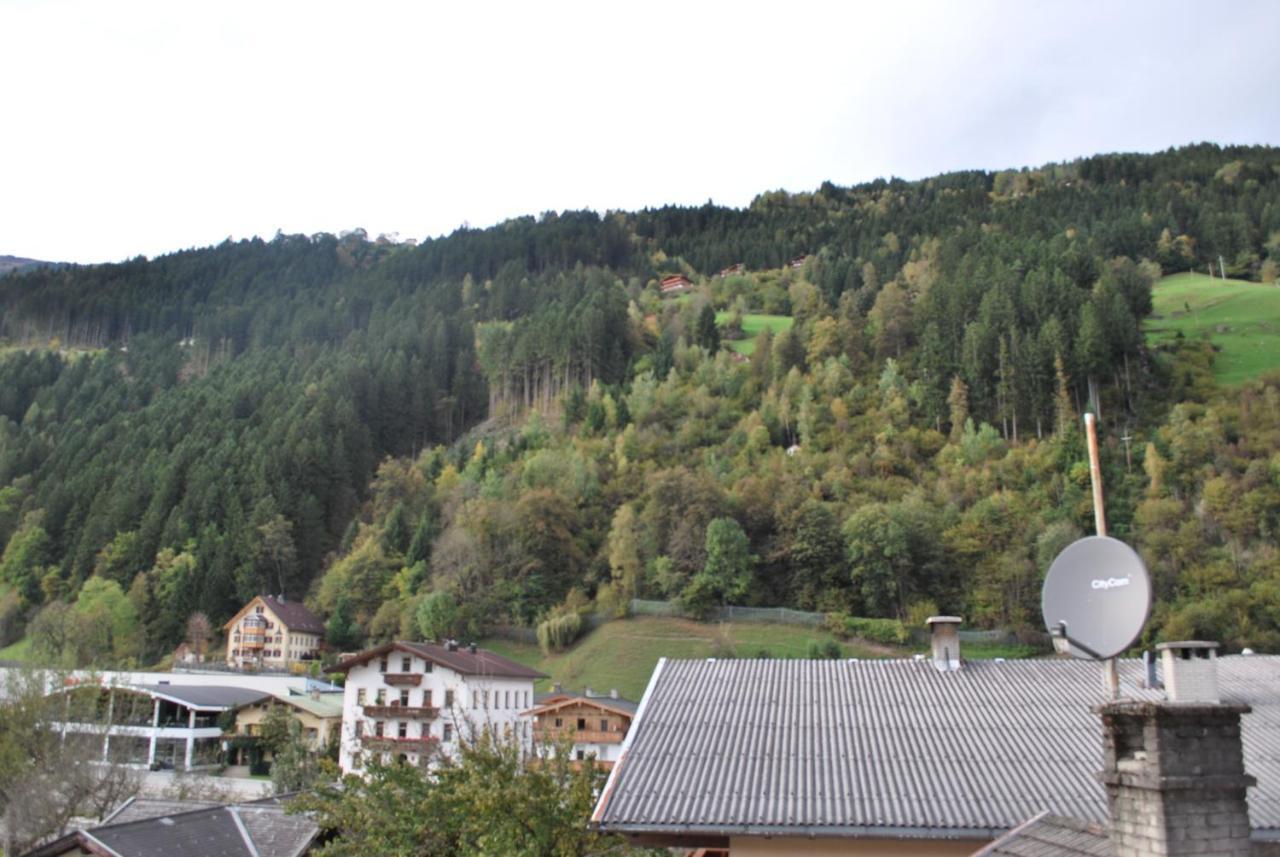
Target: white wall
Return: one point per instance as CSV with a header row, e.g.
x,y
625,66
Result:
x,y
478,703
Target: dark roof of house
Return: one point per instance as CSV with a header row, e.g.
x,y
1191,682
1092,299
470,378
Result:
x,y
139,808
259,829
295,615
554,698
1051,836
892,747
203,696
462,660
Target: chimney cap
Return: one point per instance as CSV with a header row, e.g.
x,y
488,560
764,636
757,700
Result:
x,y
943,620
1187,644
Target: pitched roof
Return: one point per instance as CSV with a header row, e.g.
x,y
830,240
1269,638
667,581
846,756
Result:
x,y
294,614
559,699
139,808
259,829
891,747
461,660
1051,836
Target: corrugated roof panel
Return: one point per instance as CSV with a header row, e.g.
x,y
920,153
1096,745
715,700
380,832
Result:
x,y
894,744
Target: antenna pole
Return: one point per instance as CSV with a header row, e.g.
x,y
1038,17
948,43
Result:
x,y
1095,474
1110,673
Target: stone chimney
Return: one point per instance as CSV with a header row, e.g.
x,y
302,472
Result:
x,y
945,634
1175,779
1190,670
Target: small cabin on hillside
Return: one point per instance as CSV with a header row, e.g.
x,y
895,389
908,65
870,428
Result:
x,y
732,269
676,284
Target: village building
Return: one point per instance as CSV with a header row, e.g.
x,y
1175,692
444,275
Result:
x,y
154,726
318,712
271,632
411,701
731,270
675,284
594,723
797,262
147,827
929,756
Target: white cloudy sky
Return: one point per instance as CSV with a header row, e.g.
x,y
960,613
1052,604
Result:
x,y
134,127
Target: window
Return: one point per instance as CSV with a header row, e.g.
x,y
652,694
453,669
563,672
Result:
x,y
235,652
448,732
380,698
581,755
426,666
559,723
582,724
406,665
506,699
378,727
426,699
360,696
356,762
236,636
404,698
604,724
359,728
448,698
382,665
402,730
484,697
258,609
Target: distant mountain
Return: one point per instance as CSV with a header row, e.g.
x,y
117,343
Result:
x,y
18,263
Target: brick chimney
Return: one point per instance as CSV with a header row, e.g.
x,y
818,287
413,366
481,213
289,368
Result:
x,y
1175,779
945,634
1190,670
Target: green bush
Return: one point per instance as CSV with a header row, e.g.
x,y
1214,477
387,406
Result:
x,y
890,632
559,632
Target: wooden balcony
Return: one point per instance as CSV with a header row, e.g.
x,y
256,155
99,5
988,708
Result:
x,y
551,734
392,744
402,679
401,712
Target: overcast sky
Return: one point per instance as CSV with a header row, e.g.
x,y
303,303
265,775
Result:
x,y
141,128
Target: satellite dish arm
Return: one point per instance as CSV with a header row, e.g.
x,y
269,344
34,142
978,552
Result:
x,y
1059,632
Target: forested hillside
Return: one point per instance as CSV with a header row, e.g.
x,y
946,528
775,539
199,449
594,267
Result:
x,y
501,424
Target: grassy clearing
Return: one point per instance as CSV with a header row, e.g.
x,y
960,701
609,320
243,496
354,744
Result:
x,y
1240,318
19,651
623,653
752,325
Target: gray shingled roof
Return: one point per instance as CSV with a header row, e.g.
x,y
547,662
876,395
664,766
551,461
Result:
x,y
1051,836
891,747
258,829
295,615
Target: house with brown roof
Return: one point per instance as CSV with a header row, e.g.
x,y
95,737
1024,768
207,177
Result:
x,y
593,723
675,284
272,632
411,702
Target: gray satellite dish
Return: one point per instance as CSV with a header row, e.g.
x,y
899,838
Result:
x,y
1096,598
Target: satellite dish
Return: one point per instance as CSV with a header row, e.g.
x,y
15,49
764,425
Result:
x,y
1096,598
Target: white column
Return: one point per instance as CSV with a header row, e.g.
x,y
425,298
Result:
x,y
191,725
155,729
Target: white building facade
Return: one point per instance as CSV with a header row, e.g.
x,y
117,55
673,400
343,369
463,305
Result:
x,y
413,702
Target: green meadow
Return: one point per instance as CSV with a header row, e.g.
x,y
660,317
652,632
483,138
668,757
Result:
x,y
752,325
1240,318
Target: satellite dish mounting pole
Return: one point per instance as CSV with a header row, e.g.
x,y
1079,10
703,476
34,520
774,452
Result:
x,y
1110,675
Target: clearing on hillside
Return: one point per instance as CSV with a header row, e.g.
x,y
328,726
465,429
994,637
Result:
x,y
623,653
1241,318
751,325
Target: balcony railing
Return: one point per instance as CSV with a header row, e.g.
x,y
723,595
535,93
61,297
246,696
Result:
x,y
393,744
578,736
403,679
401,712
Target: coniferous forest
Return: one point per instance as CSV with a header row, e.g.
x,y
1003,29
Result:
x,y
504,424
